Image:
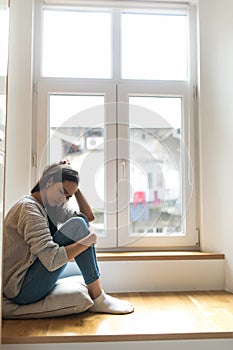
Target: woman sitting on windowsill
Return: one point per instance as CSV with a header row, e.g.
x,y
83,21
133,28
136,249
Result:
x,y
36,252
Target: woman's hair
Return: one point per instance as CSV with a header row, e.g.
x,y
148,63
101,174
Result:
x,y
58,172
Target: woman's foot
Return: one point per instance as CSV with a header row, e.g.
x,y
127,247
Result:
x,y
107,304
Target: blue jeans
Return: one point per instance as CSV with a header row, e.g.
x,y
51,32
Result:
x,y
39,282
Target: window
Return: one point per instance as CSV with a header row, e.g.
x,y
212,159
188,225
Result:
x,y
115,98
68,52
154,46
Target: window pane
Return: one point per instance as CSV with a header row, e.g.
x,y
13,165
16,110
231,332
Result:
x,y
76,44
4,23
155,166
154,46
77,135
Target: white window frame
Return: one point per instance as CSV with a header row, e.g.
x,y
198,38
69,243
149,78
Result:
x,y
45,86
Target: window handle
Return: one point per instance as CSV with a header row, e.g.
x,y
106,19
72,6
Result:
x,y
123,165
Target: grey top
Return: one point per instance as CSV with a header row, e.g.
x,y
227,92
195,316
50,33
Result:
x,y
26,237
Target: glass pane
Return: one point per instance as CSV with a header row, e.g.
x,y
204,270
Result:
x,y
76,44
4,29
77,135
155,166
154,46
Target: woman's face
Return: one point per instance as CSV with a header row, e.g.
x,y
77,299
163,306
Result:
x,y
57,193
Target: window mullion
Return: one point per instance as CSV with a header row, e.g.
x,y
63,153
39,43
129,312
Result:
x,y
116,45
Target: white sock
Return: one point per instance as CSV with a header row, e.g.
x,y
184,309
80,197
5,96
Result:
x,y
110,305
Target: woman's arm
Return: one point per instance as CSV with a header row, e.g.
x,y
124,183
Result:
x,y
32,225
84,207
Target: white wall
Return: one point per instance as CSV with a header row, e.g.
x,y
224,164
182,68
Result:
x,y
216,129
19,130
186,275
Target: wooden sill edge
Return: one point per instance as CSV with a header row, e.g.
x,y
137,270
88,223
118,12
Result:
x,y
158,255
115,338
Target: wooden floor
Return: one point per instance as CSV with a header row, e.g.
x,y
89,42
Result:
x,y
157,316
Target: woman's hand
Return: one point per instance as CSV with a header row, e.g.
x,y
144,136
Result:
x,y
80,246
89,240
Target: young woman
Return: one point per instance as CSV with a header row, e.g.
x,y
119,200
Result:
x,y
36,251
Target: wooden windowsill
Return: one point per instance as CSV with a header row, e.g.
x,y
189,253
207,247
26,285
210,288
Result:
x,y
142,325
157,316
158,255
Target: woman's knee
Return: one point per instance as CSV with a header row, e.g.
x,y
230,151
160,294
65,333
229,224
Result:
x,y
75,228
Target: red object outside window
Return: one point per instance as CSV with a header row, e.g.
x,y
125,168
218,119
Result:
x,y
139,197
